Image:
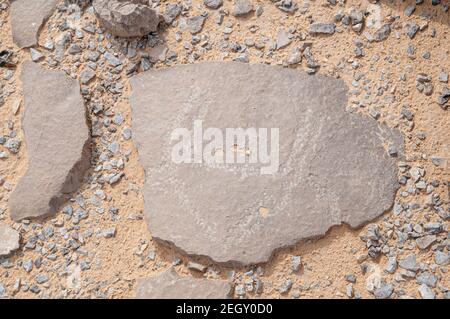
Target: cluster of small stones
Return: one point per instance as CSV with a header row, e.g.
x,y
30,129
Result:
x,y
409,245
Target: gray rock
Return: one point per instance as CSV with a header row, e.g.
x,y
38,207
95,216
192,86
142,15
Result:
x,y
169,285
57,140
350,278
213,4
441,258
286,286
27,17
126,18
112,60
171,13
3,292
257,212
409,263
384,291
427,278
391,265
36,55
42,278
296,263
242,8
380,35
322,28
9,240
412,29
86,76
426,292
425,241
288,6
195,24
283,39
410,10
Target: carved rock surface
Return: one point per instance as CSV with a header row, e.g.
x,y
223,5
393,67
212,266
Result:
x,y
333,165
27,17
126,18
169,285
9,240
57,142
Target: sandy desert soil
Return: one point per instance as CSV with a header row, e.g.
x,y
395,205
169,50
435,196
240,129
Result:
x,y
382,82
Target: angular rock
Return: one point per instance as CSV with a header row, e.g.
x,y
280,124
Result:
x,y
242,8
126,18
409,263
195,24
27,17
169,285
322,28
9,240
426,292
425,241
332,166
171,13
442,258
57,141
384,292
380,35
213,4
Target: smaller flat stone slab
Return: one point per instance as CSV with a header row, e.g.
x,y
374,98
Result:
x,y
27,17
57,142
169,285
9,240
333,166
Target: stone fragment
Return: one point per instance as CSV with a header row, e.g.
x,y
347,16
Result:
x,y
36,55
288,6
27,17
9,240
171,13
425,241
86,76
409,263
195,24
213,4
126,18
428,279
57,141
384,291
242,8
441,258
412,29
283,39
322,28
426,292
391,265
380,35
243,211
169,285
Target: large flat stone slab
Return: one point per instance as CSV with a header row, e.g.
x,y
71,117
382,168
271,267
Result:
x,y
27,17
333,167
169,285
57,142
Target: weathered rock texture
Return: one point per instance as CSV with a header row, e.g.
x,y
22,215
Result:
x,y
9,240
27,17
57,141
126,18
334,167
169,285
